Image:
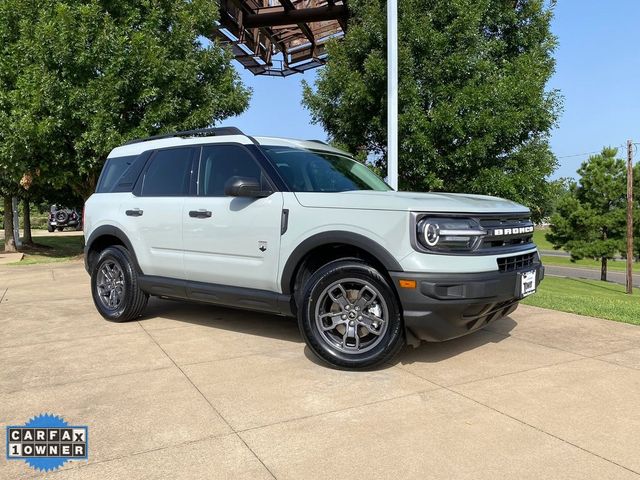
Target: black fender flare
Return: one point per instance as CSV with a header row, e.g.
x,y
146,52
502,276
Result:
x,y
331,237
114,232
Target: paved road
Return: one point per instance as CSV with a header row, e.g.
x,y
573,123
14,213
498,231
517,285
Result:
x,y
193,391
592,274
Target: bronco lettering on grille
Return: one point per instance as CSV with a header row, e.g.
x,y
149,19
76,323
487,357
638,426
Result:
x,y
512,231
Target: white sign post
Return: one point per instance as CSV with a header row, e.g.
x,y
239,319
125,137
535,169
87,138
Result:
x,y
392,93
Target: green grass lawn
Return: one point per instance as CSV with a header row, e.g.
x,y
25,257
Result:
x,y
612,265
540,240
588,297
52,249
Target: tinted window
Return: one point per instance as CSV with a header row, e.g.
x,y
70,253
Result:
x,y
168,174
112,172
219,163
318,171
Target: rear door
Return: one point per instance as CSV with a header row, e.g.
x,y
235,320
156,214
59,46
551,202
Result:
x,y
231,241
153,213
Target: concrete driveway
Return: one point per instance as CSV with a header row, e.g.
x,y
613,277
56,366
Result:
x,y
193,391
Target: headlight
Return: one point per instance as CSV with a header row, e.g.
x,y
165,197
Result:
x,y
449,234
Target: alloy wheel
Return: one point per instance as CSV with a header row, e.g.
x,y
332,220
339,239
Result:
x,y
352,315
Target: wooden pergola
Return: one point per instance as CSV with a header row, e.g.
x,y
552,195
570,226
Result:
x,y
259,30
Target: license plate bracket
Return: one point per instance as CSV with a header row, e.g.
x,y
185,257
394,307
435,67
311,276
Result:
x,y
527,283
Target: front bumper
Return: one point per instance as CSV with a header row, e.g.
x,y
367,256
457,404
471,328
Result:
x,y
446,306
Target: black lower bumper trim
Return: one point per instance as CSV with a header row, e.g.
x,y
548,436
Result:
x,y
446,306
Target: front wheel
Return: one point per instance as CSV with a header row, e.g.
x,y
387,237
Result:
x,y
350,316
114,286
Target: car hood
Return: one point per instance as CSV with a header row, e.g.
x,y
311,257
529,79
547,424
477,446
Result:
x,y
409,201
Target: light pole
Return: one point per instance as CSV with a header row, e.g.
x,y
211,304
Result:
x,y
392,93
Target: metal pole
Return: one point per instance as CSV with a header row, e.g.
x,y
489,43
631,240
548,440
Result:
x,y
629,217
392,93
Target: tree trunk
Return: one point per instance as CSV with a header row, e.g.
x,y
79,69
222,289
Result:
x,y
9,241
27,222
603,269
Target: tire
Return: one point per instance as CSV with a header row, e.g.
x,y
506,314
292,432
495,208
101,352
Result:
x,y
128,301
60,229
332,295
50,228
62,216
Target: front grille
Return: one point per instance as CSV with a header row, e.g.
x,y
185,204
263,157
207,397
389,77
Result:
x,y
509,264
506,232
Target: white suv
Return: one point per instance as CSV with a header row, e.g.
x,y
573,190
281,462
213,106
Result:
x,y
299,228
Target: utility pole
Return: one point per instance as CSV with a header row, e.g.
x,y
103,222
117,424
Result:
x,y
392,93
629,217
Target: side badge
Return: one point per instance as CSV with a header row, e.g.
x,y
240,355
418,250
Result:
x,y
262,246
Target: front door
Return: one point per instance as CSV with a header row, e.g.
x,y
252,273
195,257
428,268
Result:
x,y
231,241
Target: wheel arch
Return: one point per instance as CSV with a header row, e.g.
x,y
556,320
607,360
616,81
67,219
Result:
x,y
327,246
103,237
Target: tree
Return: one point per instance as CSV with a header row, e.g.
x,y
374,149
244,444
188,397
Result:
x,y
11,166
90,75
636,211
590,220
474,114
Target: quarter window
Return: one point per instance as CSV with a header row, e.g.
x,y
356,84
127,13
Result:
x,y
112,172
168,174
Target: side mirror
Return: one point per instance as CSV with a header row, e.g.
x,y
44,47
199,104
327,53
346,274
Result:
x,y
244,187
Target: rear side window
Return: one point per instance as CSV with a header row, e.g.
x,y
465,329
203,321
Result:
x,y
112,172
219,163
168,173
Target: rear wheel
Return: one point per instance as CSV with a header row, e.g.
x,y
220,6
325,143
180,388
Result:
x,y
50,228
114,286
349,315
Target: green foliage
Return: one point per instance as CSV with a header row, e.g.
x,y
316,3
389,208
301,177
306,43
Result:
x,y
474,115
81,77
590,220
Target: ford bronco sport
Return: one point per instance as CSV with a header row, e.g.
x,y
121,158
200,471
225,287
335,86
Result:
x,y
299,228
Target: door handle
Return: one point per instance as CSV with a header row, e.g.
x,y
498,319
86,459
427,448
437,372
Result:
x,y
136,212
202,213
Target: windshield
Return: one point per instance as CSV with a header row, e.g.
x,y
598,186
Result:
x,y
318,171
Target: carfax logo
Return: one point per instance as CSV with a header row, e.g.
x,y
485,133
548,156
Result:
x,y
46,442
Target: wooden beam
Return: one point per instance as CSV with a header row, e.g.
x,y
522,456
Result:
x,y
304,28
293,17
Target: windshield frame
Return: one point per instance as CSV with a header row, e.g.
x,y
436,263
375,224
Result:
x,y
266,150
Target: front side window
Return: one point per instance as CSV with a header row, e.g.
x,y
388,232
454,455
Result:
x,y
220,163
319,171
168,174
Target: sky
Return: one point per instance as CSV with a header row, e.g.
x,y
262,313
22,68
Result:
x,y
597,73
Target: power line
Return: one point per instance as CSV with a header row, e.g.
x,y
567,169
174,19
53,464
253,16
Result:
x,y
579,154
595,152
